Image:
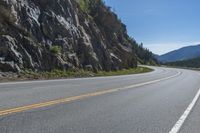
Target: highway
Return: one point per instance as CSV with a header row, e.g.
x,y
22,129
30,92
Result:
x,y
162,101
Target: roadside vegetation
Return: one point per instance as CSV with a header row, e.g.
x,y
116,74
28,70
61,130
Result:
x,y
57,74
124,71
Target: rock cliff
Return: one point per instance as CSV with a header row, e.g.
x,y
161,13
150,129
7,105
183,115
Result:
x,y
57,34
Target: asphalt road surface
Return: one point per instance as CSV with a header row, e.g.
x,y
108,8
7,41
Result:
x,y
162,101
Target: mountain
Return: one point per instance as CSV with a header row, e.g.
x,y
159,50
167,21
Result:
x,y
192,63
43,35
184,53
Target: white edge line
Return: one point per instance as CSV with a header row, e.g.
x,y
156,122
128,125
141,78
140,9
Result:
x,y
182,119
60,80
64,79
69,79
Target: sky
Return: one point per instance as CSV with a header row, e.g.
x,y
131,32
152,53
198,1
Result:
x,y
161,25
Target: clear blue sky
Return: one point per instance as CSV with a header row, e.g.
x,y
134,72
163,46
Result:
x,y
162,25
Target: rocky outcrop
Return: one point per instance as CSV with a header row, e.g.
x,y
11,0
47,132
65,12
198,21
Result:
x,y
29,29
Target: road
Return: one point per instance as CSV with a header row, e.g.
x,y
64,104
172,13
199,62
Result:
x,y
155,102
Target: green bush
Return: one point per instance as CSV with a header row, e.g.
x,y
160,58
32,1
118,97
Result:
x,y
56,50
84,5
90,6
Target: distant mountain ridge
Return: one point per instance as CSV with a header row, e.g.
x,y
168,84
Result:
x,y
181,54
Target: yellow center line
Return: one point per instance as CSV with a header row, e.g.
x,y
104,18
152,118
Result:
x,y
70,99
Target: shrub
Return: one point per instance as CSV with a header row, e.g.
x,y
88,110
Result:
x,y
90,6
84,5
56,50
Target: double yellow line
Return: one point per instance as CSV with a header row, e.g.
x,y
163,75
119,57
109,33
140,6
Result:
x,y
70,99
53,102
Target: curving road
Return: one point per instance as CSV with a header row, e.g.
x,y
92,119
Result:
x,y
162,101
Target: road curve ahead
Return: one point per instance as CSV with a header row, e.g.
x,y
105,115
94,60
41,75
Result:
x,y
165,100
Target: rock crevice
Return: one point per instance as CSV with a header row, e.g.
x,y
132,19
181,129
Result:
x,y
30,28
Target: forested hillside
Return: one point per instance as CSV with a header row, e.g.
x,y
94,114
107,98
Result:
x,y
193,63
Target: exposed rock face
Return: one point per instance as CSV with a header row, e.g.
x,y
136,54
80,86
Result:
x,y
30,28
